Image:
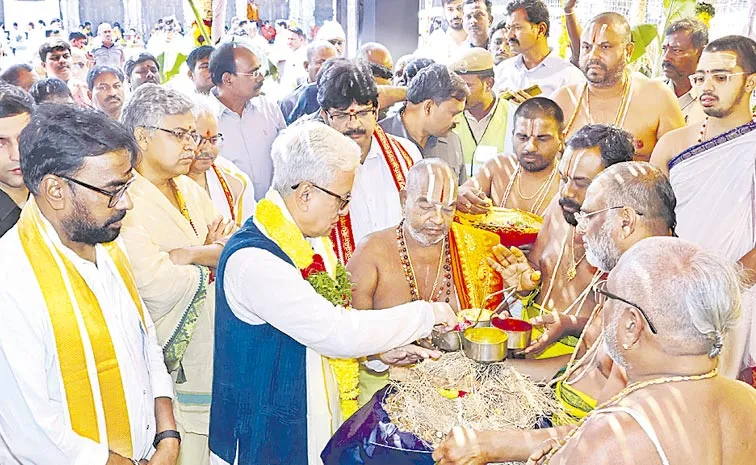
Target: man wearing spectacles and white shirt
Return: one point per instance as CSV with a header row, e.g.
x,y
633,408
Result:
x,y
248,121
348,97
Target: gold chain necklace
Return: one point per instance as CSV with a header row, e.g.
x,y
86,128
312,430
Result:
x,y
623,394
541,193
572,270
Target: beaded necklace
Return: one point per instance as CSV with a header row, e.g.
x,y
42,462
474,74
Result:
x,y
182,204
623,394
444,262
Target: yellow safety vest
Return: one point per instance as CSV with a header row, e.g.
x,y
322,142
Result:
x,y
475,154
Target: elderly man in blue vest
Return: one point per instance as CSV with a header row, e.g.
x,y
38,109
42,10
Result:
x,y
482,127
285,373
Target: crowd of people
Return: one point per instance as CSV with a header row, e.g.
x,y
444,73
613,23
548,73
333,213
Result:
x,y
222,267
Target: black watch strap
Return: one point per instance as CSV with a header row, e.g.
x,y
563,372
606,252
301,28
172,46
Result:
x,y
169,433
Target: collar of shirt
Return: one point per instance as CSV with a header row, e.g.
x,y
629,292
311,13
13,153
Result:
x,y
223,109
519,62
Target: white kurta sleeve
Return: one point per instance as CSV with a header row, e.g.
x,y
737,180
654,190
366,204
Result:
x,y
27,342
262,288
162,384
19,434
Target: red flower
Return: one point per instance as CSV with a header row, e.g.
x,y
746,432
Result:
x,y
317,266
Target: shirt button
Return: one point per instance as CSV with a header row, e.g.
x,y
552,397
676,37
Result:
x,y
148,427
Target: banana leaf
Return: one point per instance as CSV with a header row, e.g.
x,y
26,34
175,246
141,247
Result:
x,y
643,36
167,74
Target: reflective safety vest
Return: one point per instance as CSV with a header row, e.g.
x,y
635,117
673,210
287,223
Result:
x,y
478,153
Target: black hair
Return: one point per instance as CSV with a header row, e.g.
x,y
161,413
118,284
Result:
x,y
413,67
342,81
59,138
14,101
131,63
437,83
76,35
380,71
489,4
615,144
744,48
48,88
53,46
199,53
540,107
536,11
699,33
298,32
222,62
12,74
95,72
497,27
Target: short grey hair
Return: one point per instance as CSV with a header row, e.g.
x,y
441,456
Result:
x,y
315,46
150,103
692,295
699,32
311,152
641,186
203,105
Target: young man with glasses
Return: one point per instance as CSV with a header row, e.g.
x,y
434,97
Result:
x,y
16,107
249,121
348,98
230,189
174,236
77,336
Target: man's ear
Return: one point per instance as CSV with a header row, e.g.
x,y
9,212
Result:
x,y
306,65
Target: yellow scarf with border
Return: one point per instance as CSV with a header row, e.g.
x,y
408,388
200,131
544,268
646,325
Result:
x,y
76,319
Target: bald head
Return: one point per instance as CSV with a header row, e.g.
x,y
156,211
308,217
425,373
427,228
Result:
x,y
691,295
429,199
615,22
318,52
376,53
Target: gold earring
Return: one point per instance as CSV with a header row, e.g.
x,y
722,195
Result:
x,y
626,346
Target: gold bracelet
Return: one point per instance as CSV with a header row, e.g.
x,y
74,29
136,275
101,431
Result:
x,y
569,13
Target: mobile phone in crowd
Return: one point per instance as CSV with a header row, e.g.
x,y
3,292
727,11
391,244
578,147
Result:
x,y
533,91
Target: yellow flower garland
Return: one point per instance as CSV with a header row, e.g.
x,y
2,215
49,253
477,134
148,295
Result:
x,y
291,240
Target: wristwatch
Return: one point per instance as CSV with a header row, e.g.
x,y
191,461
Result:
x,y
169,433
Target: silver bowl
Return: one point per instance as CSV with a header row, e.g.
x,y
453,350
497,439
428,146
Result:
x,y
448,342
485,351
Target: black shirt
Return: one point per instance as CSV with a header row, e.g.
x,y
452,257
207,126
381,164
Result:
x,y
9,213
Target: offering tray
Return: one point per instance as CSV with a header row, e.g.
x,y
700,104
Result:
x,y
514,227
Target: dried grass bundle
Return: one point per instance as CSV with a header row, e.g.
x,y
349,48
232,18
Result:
x,y
497,397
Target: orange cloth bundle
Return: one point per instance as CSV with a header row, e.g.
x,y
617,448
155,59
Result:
x,y
514,227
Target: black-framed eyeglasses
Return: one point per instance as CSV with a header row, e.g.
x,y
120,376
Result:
x,y
212,139
362,115
344,200
115,196
180,134
600,293
581,216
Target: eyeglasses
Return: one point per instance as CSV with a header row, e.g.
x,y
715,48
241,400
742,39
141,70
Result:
x,y
255,74
212,139
343,118
115,196
343,200
180,134
719,78
582,216
600,294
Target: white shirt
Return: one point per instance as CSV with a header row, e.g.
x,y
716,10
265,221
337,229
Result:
x,y
17,427
27,338
550,74
262,288
375,201
442,48
479,126
247,140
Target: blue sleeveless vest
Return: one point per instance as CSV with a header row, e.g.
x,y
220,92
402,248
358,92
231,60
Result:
x,y
259,405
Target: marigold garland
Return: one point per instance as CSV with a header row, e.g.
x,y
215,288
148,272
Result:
x,y
337,291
